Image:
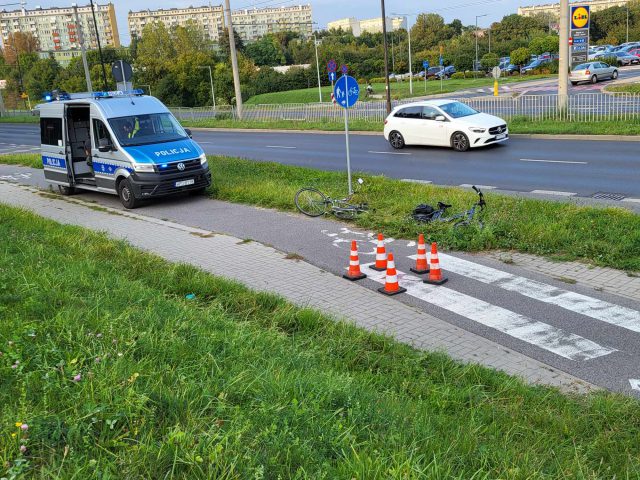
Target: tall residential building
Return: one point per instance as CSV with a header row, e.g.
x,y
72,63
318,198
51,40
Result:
x,y
253,23
371,25
554,8
56,29
209,18
250,24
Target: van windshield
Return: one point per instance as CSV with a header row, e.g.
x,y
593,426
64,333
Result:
x,y
147,129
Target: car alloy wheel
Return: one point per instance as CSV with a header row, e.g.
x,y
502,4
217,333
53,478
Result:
x,y
396,140
594,79
460,142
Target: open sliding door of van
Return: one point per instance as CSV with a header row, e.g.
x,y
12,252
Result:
x,y
53,148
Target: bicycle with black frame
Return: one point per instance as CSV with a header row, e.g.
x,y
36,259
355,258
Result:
x,y
463,219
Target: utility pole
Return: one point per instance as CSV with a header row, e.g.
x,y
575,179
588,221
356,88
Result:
x,y
234,62
87,76
315,43
213,95
410,66
386,57
475,67
627,22
563,74
104,70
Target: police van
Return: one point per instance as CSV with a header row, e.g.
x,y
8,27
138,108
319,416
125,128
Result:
x,y
123,143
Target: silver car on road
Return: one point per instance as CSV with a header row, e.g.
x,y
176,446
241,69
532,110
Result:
x,y
592,72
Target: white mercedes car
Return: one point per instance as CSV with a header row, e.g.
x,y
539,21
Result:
x,y
445,123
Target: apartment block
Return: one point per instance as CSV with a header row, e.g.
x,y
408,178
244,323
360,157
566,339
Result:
x,y
371,25
250,24
209,18
57,31
554,8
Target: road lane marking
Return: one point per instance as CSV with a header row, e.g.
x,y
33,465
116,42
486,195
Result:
x,y
278,146
389,153
553,192
551,161
481,187
542,335
635,383
581,304
415,180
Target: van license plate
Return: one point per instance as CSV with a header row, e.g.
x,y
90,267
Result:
x,y
184,183
501,136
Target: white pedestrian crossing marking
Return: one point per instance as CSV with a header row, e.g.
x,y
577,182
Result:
x,y
542,335
582,304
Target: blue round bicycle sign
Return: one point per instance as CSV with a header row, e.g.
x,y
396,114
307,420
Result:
x,y
346,91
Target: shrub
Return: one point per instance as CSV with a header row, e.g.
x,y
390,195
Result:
x,y
377,80
458,75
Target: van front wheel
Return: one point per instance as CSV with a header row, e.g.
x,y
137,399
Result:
x,y
66,190
125,192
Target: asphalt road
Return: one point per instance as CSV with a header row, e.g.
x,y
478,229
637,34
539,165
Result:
x,y
496,304
583,168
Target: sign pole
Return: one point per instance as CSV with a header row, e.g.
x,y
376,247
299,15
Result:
x,y
346,136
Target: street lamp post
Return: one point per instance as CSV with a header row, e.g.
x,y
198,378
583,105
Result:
x,y
315,44
627,22
213,95
475,67
386,56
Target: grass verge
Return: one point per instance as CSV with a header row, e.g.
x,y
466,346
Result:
x,y
118,375
399,90
625,88
603,236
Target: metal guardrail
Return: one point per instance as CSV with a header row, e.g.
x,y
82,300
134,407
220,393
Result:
x,y
15,113
582,107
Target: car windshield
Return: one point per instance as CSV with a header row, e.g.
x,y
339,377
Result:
x,y
146,129
458,110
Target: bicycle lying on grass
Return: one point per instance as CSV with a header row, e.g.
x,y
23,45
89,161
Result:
x,y
313,203
462,219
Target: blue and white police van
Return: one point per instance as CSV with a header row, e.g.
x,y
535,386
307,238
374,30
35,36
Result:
x,y
123,143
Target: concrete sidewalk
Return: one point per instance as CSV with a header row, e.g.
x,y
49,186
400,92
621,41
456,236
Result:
x,y
297,281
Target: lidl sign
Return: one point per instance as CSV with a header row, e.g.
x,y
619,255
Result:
x,y
580,17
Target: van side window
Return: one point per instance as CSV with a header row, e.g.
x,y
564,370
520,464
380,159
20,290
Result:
x,y
51,131
100,131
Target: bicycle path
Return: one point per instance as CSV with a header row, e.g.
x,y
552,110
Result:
x,y
589,334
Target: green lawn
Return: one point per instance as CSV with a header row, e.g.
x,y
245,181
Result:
x,y
115,374
625,88
607,237
399,90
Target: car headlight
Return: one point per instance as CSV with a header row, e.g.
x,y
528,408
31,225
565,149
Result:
x,y
477,129
144,167
203,159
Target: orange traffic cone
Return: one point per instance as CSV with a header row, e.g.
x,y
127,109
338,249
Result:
x,y
422,266
435,274
354,264
391,286
381,256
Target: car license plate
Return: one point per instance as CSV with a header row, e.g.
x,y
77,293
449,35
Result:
x,y
184,183
501,136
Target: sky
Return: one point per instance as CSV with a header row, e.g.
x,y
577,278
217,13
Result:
x,y
325,11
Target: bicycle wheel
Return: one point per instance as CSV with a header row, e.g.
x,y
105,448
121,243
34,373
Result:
x,y
311,202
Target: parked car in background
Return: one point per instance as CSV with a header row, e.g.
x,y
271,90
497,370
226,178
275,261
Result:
x,y
592,72
535,64
635,51
445,123
509,69
625,58
433,71
446,72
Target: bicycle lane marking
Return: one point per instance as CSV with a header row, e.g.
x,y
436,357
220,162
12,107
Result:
x,y
521,327
575,302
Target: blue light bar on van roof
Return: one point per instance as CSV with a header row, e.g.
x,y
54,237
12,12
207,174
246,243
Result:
x,y
118,93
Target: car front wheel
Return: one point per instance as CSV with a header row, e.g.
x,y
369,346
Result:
x,y
396,140
460,142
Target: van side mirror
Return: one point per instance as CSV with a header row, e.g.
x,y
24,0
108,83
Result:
x,y
188,132
440,118
104,145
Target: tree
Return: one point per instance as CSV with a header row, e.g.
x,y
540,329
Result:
x,y
266,51
520,56
17,44
489,60
41,77
223,43
547,43
430,31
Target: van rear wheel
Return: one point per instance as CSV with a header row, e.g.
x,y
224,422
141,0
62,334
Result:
x,y
66,190
125,192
